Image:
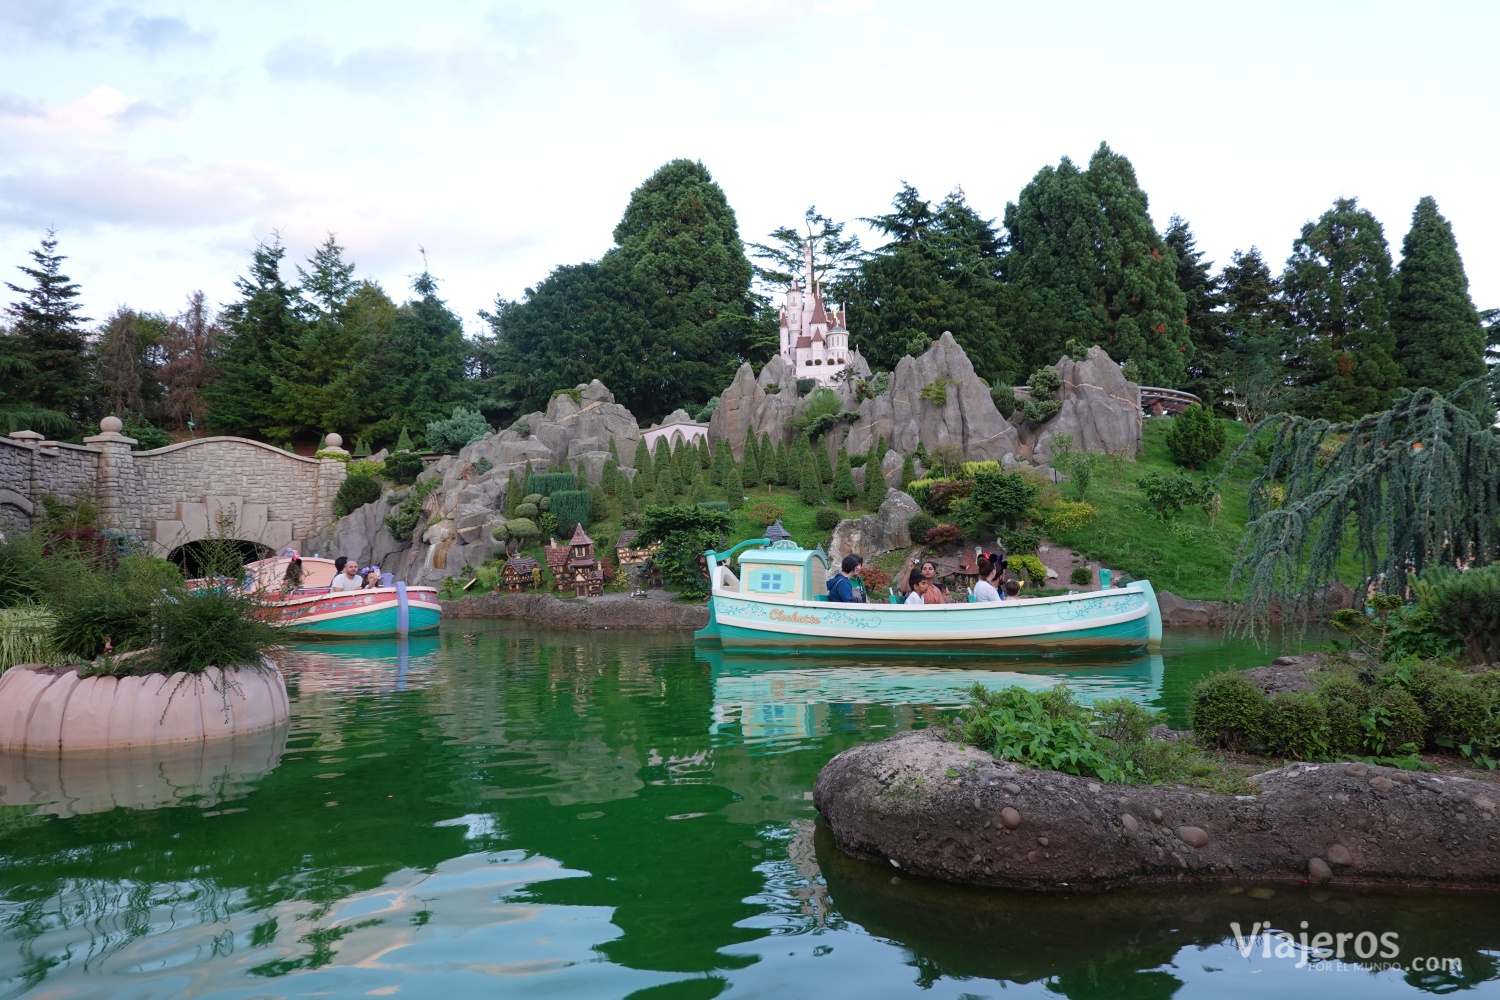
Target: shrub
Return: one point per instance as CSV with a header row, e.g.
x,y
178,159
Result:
x,y
1043,730
1168,495
546,524
571,508
1226,710
942,495
772,389
1002,498
876,579
598,505
1296,726
806,385
972,469
527,510
936,392
501,532
719,505
943,534
1345,701
1039,411
357,489
544,504
522,426
534,498
523,530
1028,566
453,433
826,518
1196,437
544,484
215,627
1463,715
1123,720
920,525
1466,604
402,522
685,533
765,514
402,468
946,459
1395,723
1004,398
1082,576
1023,540
1068,515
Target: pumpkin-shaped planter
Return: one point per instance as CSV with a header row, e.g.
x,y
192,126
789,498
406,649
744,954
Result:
x,y
44,709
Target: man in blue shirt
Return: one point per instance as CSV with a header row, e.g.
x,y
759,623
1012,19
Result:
x,y
841,584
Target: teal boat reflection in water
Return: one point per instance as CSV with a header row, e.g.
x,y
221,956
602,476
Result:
x,y
579,815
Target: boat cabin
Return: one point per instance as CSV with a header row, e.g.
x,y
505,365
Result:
x,y
782,570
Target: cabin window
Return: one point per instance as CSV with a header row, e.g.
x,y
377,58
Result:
x,y
771,581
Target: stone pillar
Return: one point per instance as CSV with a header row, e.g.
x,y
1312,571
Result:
x,y
114,486
331,474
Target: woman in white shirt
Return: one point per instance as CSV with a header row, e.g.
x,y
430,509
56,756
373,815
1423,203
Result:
x,y
989,576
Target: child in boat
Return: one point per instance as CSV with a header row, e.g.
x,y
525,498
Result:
x,y
1012,590
920,587
372,576
291,581
989,575
841,584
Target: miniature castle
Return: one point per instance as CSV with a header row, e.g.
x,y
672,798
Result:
x,y
814,340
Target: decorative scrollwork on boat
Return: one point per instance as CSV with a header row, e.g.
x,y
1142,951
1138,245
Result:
x,y
1098,607
742,609
846,620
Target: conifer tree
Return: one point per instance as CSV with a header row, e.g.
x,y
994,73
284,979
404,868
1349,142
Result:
x,y
1439,338
908,470
44,366
796,454
705,456
752,474
526,474
1202,290
810,485
765,455
628,502
403,443
843,480
721,459
263,330
512,494
734,488
699,492
1337,286
751,452
609,480
614,452
875,486
644,479
825,465
783,470
661,456
881,448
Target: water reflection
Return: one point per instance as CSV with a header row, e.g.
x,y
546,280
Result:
x,y
500,810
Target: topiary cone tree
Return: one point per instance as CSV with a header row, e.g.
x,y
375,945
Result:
x,y
843,481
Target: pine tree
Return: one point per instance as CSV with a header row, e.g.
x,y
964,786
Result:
x,y
875,486
614,452
1252,367
843,480
661,456
628,503
810,486
699,492
734,488
313,391
765,454
426,354
825,465
752,474
190,350
667,484
512,494
749,450
705,456
908,471
124,370
796,454
644,480
1204,298
1439,338
881,448
609,479
403,443
263,332
1337,286
526,474
722,458
45,366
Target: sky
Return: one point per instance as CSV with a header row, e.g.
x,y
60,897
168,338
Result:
x,y
162,140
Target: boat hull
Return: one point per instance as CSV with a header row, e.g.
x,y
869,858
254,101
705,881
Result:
x,y
357,615
1124,621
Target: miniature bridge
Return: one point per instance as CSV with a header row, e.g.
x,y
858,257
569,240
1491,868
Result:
x,y
217,487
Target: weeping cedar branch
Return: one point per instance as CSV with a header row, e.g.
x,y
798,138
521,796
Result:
x,y
1419,482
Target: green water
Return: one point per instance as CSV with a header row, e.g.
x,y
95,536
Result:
x,y
501,812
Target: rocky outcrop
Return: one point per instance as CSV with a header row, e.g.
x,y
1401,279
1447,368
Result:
x,y
874,534
1100,409
546,611
1178,612
746,404
966,418
931,807
570,431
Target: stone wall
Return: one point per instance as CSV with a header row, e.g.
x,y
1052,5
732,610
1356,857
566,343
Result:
x,y
177,494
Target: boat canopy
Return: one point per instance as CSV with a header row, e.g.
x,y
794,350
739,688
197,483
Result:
x,y
783,570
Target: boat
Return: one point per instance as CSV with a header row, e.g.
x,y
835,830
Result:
x,y
776,604
316,612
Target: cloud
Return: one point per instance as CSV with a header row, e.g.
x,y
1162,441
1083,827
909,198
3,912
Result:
x,y
157,34
74,24
99,112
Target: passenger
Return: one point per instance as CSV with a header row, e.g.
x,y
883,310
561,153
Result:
x,y
1012,590
989,575
934,593
841,584
348,579
291,581
920,586
372,576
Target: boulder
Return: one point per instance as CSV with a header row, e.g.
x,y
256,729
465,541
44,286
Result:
x,y
1177,612
1100,409
967,418
746,404
936,808
875,534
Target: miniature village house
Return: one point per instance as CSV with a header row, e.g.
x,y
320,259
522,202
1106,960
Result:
x,y
521,573
557,564
630,555
584,570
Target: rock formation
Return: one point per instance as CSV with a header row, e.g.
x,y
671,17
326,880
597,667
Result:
x,y
875,534
1099,408
967,417
746,404
927,806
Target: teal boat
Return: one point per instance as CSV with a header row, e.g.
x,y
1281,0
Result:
x,y
316,612
777,603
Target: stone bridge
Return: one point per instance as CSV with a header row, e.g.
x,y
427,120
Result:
x,y
213,487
